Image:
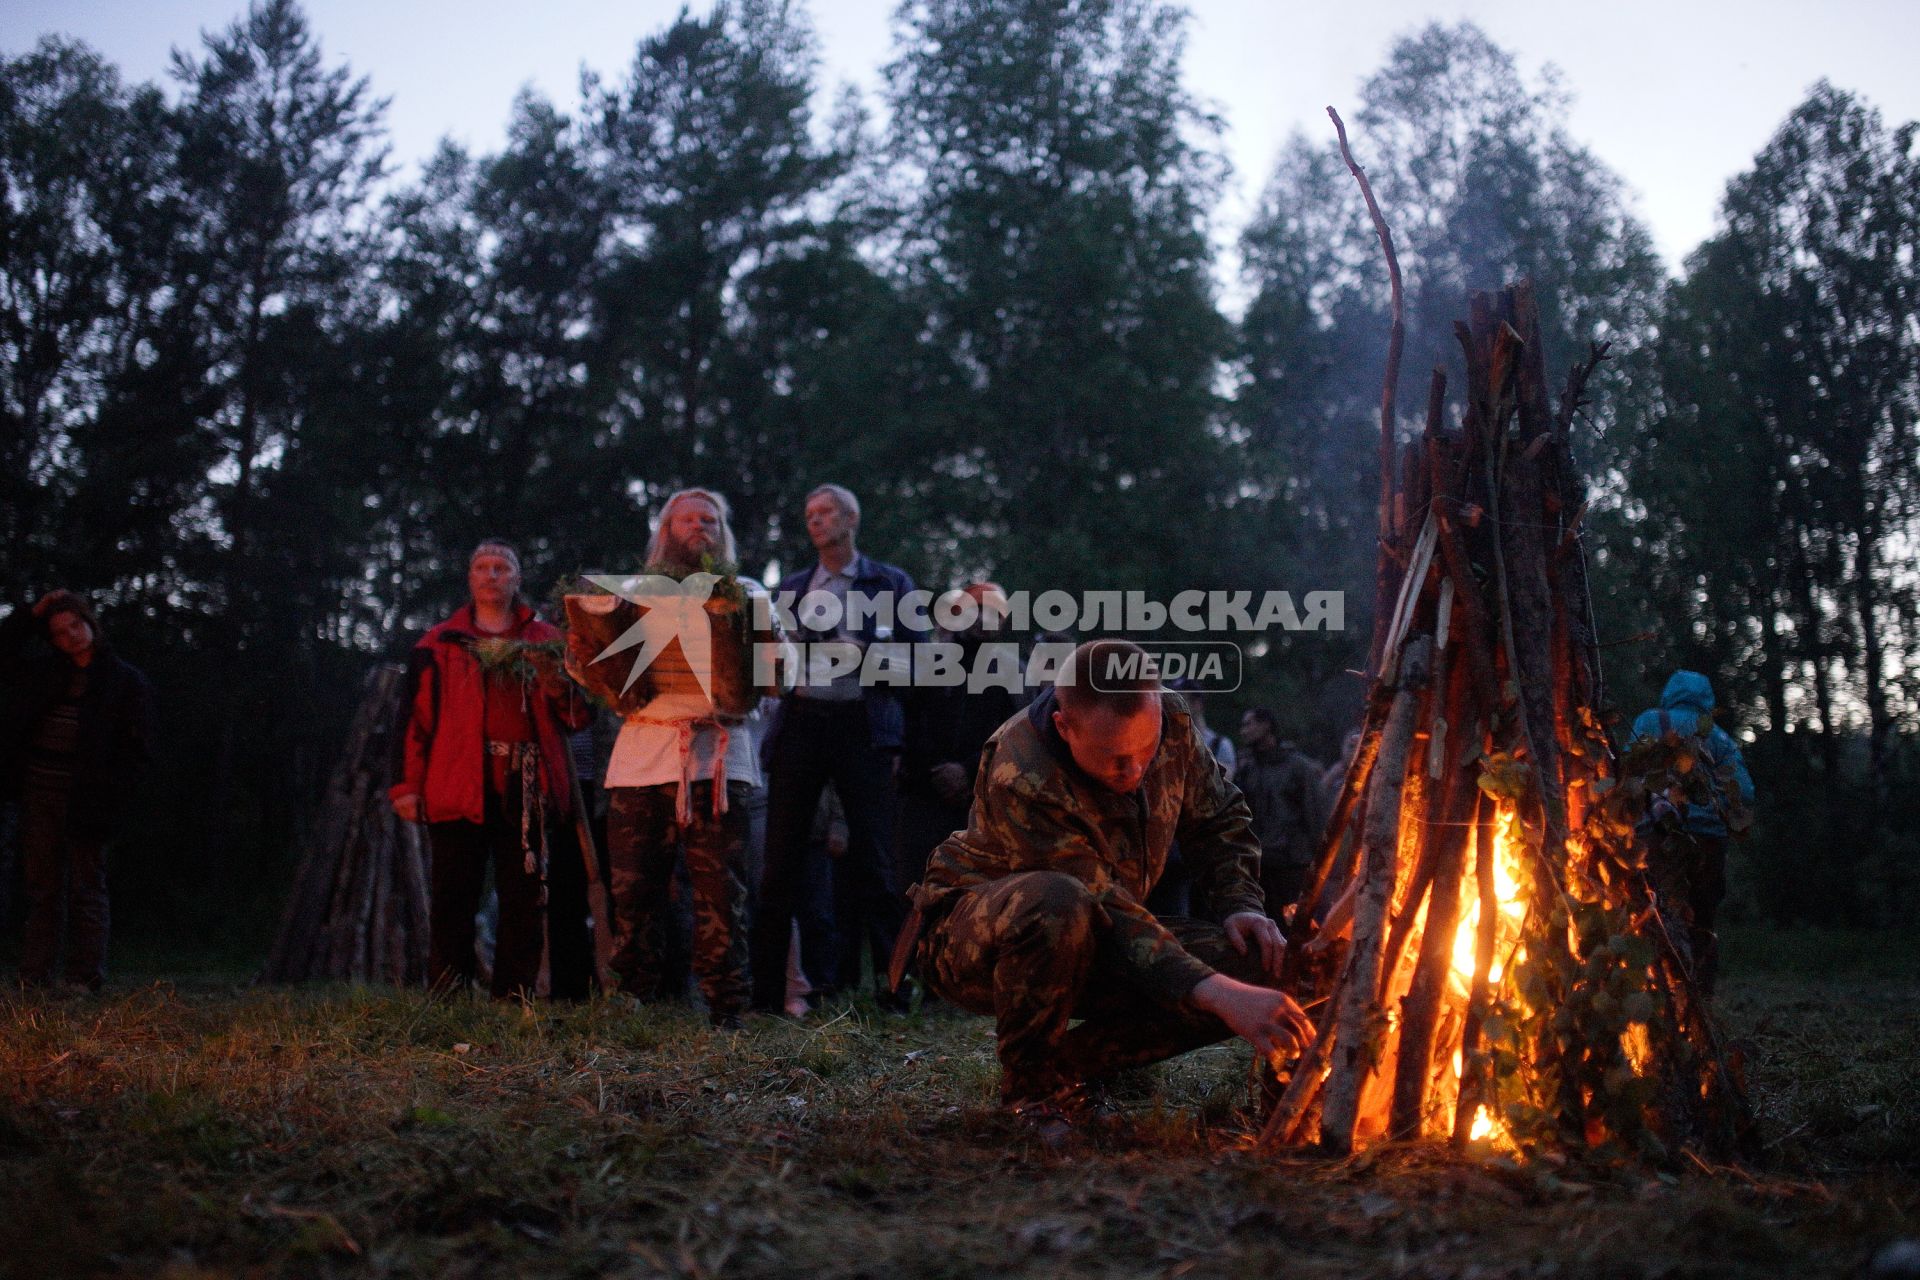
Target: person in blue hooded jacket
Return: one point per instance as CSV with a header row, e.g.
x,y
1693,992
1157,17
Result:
x,y
1699,793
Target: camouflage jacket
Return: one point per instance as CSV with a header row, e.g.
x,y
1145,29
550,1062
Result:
x,y
1035,810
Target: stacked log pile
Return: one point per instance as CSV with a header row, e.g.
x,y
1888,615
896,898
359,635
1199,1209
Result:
x,y
358,910
1481,932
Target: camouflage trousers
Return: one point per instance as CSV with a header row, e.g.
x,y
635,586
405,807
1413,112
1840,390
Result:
x,y
644,839
1032,949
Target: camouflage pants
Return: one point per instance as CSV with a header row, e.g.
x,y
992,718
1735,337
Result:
x,y
1031,950
643,839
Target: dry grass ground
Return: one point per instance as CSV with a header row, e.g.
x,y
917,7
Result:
x,y
194,1128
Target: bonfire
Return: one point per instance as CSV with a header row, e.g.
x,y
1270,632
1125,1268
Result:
x,y
1489,952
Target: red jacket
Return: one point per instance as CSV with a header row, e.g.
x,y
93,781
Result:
x,y
440,753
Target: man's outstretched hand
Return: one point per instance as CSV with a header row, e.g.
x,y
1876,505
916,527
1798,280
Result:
x,y
1268,1020
1253,928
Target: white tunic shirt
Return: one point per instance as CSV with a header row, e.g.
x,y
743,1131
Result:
x,y
647,754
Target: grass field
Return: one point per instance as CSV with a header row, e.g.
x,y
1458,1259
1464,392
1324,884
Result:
x,y
200,1127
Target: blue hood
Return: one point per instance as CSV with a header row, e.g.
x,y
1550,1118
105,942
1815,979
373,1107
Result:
x,y
1688,691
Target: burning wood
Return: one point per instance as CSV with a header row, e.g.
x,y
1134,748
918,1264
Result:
x,y
1480,917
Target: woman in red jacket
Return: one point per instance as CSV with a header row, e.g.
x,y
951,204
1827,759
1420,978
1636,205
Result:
x,y
482,760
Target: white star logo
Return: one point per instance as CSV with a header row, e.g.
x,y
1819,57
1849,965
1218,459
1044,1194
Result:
x,y
670,609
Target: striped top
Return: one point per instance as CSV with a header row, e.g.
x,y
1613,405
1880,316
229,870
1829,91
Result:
x,y
56,739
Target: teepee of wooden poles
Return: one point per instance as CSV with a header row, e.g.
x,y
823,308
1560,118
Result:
x,y
1493,957
358,909
1488,954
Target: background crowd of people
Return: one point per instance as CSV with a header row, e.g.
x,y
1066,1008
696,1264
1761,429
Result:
x,y
759,857
817,810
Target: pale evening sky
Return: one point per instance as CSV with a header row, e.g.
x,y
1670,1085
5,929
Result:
x,y
1674,95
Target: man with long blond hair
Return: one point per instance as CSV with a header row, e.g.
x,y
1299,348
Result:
x,y
665,798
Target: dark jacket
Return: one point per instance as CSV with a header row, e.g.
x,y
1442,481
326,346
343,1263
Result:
x,y
1034,809
439,752
116,726
886,714
950,724
1289,806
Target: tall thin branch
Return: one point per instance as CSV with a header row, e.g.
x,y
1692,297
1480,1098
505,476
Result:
x,y
1396,338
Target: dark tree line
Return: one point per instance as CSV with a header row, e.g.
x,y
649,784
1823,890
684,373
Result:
x,y
1767,521
260,394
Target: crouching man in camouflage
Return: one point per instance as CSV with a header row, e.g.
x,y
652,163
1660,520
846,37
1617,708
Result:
x,y
1034,913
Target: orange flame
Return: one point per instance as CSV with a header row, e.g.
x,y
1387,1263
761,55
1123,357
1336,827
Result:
x,y
1506,890
1512,908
